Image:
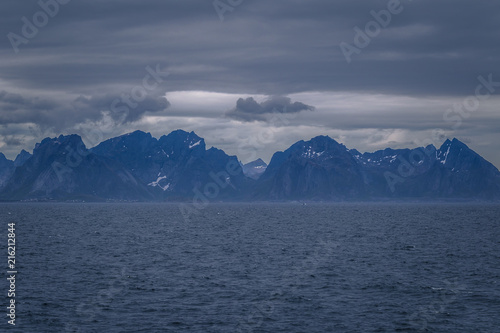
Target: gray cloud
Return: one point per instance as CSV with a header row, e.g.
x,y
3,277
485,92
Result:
x,y
12,140
63,113
268,48
121,110
248,109
92,51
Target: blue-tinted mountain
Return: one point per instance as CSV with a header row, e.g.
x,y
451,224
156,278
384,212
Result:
x,y
254,169
452,171
21,158
178,166
319,169
175,164
62,168
7,166
6,169
323,169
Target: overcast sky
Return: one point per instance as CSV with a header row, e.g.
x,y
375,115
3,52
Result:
x,y
252,76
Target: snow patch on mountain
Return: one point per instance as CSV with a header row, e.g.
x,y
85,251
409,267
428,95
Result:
x,y
157,183
192,145
446,155
310,153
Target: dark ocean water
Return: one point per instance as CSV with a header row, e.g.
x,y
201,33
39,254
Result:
x,y
255,268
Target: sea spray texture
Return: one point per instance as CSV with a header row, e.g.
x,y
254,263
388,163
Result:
x,y
141,267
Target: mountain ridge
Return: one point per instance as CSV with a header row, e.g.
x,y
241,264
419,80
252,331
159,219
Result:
x,y
178,167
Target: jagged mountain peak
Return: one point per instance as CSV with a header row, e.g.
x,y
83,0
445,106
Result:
x,y
62,139
215,150
316,147
23,152
323,140
21,158
453,150
181,134
255,168
137,165
458,157
172,165
6,169
134,141
454,170
137,134
453,143
446,143
257,162
132,136
430,148
3,158
64,142
179,139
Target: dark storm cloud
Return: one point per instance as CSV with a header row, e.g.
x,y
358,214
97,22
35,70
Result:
x,y
14,102
278,47
15,108
119,108
99,49
12,140
249,110
60,114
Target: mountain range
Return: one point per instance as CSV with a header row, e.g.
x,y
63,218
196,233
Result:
x,y
179,167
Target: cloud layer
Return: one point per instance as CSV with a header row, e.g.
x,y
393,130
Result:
x,y
275,48
60,114
249,110
69,74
